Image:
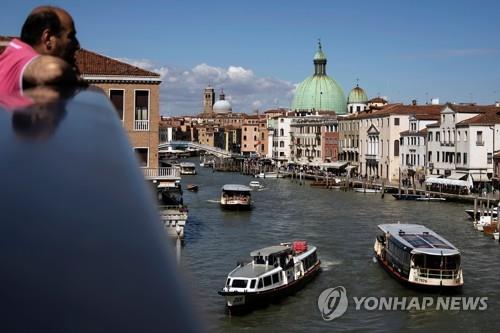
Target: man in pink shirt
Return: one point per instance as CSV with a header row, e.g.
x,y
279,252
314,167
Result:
x,y
45,54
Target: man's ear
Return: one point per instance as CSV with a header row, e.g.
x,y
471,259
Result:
x,y
46,39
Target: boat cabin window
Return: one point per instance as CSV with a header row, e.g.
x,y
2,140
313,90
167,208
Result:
x,y
270,260
228,282
252,284
276,278
239,283
437,261
260,284
267,281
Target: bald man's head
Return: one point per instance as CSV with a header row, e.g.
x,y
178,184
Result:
x,y
51,31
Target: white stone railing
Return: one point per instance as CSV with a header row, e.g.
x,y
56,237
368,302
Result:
x,y
162,173
141,125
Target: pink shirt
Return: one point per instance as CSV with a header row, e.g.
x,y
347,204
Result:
x,y
13,62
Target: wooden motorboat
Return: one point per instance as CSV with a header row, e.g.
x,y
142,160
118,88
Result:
x,y
192,187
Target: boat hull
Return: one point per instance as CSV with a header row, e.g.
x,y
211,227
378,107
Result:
x,y
242,302
413,285
236,206
408,196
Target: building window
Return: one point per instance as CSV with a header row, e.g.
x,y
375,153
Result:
x,y
142,156
465,158
490,158
116,97
430,157
396,146
438,136
459,158
396,121
479,139
430,136
141,110
437,156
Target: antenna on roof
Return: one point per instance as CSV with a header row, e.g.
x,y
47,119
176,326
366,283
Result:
x,y
426,98
357,82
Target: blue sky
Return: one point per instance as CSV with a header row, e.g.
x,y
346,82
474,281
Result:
x,y
259,50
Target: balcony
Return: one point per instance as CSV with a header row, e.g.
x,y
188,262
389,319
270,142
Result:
x,y
372,157
141,125
479,143
173,173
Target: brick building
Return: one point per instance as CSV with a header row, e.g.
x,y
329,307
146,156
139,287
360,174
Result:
x,y
135,94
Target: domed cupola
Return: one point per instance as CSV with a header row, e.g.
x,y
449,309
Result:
x,y
319,92
222,106
357,100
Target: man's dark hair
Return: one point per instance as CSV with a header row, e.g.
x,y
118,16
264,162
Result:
x,y
37,22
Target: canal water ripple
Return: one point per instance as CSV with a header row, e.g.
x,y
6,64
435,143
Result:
x,y
343,226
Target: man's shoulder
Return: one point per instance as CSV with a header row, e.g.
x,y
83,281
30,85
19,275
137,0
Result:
x,y
14,45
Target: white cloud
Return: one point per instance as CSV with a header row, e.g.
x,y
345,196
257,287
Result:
x,y
182,89
181,92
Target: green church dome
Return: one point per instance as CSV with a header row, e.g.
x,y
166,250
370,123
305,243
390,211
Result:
x,y
319,91
357,95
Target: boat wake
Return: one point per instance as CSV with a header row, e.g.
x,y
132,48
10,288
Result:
x,y
327,265
214,201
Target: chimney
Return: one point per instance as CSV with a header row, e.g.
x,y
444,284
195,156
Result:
x,y
435,101
497,104
414,102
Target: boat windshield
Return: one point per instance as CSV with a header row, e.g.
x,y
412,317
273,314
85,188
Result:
x,y
436,261
259,260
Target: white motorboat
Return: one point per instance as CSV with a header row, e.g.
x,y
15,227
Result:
x,y
496,235
367,190
274,272
255,184
174,219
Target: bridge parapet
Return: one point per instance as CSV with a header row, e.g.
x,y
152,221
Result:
x,y
172,173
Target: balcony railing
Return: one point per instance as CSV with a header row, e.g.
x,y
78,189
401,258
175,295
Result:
x,y
162,173
372,157
479,143
141,125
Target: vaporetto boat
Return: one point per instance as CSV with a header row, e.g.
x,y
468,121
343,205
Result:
x,y
417,256
274,272
236,197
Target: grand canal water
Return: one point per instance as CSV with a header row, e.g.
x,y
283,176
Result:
x,y
343,227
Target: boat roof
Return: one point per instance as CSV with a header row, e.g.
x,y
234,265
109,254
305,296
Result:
x,y
187,164
251,271
266,251
419,238
236,187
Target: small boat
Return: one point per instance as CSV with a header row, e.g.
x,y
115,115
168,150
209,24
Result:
x,y
496,235
236,197
367,190
187,168
408,196
255,184
274,272
174,219
493,212
269,175
425,198
418,257
192,187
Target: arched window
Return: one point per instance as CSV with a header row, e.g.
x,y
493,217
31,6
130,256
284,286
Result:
x,y
396,147
282,132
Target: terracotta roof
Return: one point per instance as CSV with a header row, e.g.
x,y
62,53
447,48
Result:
x,y
472,108
400,109
489,118
90,63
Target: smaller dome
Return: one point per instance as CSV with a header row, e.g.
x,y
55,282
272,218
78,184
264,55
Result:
x,y
319,55
222,106
357,95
